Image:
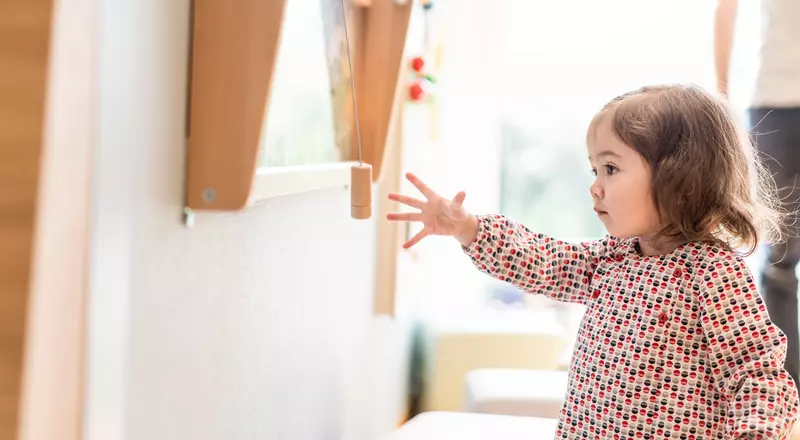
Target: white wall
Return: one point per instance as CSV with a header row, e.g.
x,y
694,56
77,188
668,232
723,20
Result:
x,y
236,328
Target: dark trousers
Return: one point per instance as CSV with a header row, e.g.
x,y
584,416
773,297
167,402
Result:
x,y
776,132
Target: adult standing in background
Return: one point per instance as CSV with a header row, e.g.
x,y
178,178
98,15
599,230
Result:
x,y
774,121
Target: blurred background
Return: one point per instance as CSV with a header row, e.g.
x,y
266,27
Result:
x,y
290,320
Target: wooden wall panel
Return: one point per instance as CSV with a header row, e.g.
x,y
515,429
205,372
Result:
x,y
24,46
48,66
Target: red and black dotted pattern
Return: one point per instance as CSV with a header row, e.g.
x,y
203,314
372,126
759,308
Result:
x,y
671,346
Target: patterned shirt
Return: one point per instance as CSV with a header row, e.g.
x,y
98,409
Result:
x,y
677,346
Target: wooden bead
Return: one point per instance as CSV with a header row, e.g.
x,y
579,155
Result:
x,y
361,191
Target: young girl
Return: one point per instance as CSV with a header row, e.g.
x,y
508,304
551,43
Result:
x,y
675,341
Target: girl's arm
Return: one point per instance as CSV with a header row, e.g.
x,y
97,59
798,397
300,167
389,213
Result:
x,y
724,24
535,263
746,352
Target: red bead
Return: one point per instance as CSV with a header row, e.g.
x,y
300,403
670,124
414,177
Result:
x,y
620,257
419,89
416,92
417,63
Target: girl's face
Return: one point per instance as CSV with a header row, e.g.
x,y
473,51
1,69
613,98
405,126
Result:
x,y
621,190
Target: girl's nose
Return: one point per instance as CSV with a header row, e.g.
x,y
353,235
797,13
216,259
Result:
x,y
596,191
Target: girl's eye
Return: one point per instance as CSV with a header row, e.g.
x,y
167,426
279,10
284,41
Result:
x,y
611,169
594,172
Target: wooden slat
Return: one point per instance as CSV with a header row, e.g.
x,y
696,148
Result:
x,y
380,55
234,49
385,302
24,45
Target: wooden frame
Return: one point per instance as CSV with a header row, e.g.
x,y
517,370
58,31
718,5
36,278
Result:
x,y
234,49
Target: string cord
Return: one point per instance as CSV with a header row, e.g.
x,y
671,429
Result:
x,y
352,83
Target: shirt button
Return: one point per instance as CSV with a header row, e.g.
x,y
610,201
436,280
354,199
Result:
x,y
678,273
596,294
662,318
620,257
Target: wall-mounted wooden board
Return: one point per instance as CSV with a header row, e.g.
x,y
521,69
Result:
x,y
379,64
235,52
234,46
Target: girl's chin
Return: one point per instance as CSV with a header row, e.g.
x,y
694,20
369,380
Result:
x,y
618,232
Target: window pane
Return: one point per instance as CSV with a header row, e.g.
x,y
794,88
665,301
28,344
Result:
x,y
299,126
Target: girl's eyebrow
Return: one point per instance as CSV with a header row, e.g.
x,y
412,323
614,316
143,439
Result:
x,y
605,153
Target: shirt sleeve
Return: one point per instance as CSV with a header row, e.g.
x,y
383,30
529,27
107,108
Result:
x,y
536,263
746,352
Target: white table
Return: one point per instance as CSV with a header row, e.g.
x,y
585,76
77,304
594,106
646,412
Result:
x,y
442,425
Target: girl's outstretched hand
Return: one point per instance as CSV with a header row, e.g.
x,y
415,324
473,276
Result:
x,y
439,216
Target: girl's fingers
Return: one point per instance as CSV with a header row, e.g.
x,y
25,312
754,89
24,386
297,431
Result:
x,y
405,216
421,186
458,200
406,200
415,239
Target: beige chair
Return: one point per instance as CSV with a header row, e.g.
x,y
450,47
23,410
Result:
x,y
500,342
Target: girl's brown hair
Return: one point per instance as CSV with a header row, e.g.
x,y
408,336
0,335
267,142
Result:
x,y
707,182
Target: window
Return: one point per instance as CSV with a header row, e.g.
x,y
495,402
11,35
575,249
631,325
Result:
x,y
553,66
560,62
518,85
